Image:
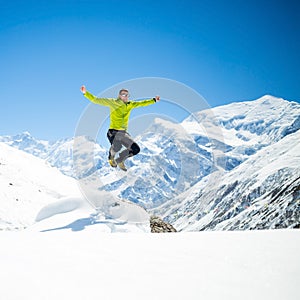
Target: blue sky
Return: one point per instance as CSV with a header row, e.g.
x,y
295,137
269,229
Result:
x,y
226,50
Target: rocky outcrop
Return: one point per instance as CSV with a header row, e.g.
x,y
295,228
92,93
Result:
x,y
158,225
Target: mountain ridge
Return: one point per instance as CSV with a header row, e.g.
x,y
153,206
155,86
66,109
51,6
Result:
x,y
177,157
230,200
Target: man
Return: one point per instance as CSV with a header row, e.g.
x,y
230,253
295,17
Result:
x,y
117,134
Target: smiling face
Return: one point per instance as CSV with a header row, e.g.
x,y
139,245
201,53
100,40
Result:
x,y
124,95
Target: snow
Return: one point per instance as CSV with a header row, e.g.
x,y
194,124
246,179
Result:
x,y
27,184
283,154
220,138
76,214
245,196
76,252
75,247
87,264
250,119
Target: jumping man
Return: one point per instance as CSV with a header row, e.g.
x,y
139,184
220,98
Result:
x,y
117,134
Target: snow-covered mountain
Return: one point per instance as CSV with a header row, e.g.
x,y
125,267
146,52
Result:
x,y
263,192
177,158
27,143
33,192
174,157
238,169
246,127
27,184
59,154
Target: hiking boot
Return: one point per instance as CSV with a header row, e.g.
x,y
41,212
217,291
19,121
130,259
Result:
x,y
112,162
122,166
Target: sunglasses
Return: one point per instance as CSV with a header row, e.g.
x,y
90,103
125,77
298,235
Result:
x,y
124,95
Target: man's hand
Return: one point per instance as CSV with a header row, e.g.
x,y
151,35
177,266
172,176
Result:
x,y
157,98
83,89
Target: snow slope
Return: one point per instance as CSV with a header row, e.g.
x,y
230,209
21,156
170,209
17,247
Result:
x,y
27,184
32,190
262,192
76,214
87,264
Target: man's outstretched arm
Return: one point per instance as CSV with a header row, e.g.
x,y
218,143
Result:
x,y
136,104
94,99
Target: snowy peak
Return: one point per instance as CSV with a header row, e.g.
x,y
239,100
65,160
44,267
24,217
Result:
x,y
238,130
267,116
60,153
167,130
254,107
175,158
26,142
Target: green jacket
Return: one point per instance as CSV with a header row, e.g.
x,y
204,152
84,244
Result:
x,y
119,111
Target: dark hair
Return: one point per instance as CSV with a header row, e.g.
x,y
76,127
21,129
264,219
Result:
x,y
123,90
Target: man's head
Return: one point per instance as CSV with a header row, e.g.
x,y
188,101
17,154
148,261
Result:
x,y
124,95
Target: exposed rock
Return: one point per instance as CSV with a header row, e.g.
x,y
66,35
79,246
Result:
x,y
158,225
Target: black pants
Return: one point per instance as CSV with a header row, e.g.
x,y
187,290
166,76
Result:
x,y
119,138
